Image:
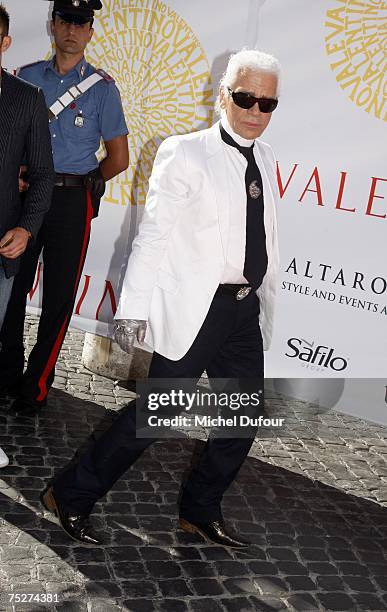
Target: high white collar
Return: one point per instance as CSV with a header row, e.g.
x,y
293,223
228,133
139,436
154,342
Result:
x,y
243,142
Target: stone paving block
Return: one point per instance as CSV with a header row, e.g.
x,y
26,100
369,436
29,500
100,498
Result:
x,y
352,569
345,554
177,588
282,554
271,585
205,604
239,586
292,568
141,605
94,571
279,540
263,568
230,568
213,553
207,586
126,570
330,583
254,552
238,604
104,605
300,583
198,569
173,605
304,601
138,589
185,553
163,569
70,606
368,602
359,583
268,604
381,581
336,601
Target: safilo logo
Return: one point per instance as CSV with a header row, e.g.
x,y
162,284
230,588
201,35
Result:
x,y
320,355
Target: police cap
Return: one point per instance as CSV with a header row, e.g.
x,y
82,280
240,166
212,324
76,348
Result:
x,y
76,11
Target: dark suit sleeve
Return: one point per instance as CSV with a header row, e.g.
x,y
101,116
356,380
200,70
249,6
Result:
x,y
40,169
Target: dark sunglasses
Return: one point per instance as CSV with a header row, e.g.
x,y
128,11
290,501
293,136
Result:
x,y
246,100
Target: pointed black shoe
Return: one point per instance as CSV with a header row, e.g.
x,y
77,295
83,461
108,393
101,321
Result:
x,y
26,407
77,526
215,532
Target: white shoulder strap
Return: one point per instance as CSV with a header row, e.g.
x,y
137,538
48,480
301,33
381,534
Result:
x,y
75,92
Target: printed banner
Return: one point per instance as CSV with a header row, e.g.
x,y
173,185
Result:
x,y
329,135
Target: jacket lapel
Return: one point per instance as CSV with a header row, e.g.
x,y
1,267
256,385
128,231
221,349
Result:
x,y
7,100
216,161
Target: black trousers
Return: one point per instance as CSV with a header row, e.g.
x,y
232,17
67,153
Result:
x,y
64,238
229,344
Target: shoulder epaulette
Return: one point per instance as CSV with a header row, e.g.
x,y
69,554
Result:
x,y
105,75
29,66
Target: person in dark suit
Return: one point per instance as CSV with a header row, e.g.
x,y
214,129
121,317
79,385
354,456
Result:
x,y
84,107
24,135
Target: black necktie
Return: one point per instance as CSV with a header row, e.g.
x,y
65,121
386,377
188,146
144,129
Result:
x,y
256,256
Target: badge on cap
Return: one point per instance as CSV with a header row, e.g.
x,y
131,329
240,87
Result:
x,y
76,11
79,121
254,190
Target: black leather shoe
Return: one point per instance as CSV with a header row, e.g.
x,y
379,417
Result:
x,y
215,532
77,526
26,407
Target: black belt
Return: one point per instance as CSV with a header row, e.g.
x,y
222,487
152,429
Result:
x,y
239,291
69,180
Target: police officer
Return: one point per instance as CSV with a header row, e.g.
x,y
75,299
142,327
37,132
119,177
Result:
x,y
84,106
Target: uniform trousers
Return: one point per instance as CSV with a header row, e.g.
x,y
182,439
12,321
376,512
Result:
x,y
64,238
228,345
5,293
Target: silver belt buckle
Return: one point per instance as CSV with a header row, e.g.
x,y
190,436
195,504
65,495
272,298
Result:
x,y
242,293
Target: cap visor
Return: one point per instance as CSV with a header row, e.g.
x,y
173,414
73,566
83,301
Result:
x,y
72,17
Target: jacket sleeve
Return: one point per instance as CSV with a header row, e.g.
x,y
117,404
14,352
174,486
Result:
x,y
167,195
40,169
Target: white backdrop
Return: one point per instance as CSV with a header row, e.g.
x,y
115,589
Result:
x,y
328,135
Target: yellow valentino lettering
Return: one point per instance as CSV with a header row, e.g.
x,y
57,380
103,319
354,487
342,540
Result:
x,y
355,31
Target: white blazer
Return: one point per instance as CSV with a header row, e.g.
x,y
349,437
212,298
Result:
x,y
178,256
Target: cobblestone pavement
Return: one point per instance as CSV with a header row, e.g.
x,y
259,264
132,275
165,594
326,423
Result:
x,y
312,501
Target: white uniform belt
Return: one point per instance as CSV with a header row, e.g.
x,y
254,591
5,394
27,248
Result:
x,y
73,93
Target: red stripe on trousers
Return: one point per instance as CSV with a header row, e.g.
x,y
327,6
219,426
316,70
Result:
x,y
42,383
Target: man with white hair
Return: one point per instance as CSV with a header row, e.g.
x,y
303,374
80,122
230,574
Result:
x,y
199,288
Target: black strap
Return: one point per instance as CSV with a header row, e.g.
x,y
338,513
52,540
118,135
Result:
x,y
69,180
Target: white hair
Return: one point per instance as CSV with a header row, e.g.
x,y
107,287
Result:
x,y
241,62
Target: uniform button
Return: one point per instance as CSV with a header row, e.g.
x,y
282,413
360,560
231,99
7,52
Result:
x,y
54,135
62,81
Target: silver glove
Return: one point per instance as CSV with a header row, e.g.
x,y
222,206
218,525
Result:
x,y
126,331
